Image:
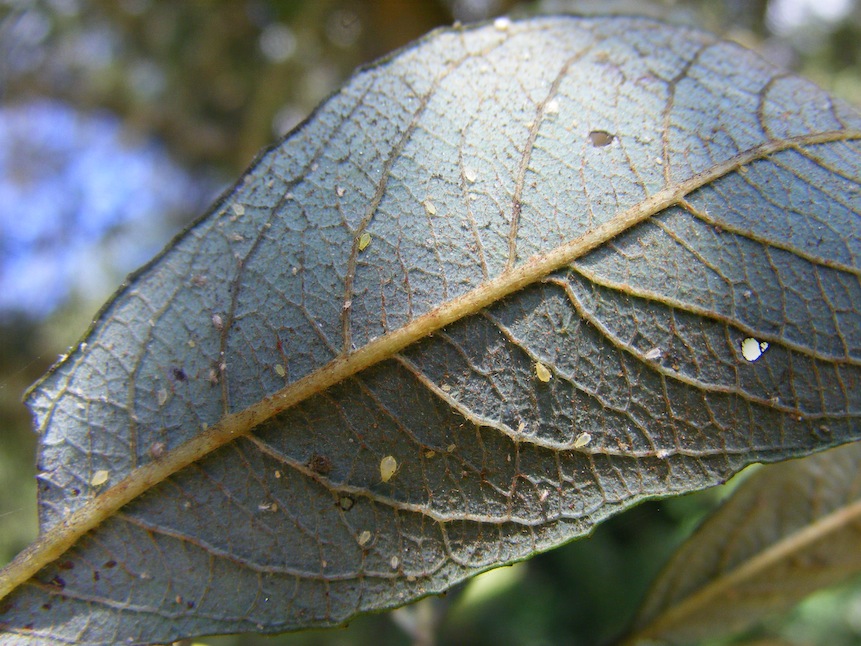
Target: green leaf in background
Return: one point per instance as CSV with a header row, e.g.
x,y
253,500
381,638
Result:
x,y
506,283
788,530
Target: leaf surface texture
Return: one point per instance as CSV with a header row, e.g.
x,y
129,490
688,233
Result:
x,y
381,350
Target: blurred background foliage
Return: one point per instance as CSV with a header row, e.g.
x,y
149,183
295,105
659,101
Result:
x,y
121,120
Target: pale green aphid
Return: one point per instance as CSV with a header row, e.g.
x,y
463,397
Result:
x,y
542,372
364,241
388,468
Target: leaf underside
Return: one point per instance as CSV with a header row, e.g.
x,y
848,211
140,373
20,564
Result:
x,y
393,273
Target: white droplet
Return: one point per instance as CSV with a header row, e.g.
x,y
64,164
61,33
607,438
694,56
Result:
x,y
502,23
388,468
364,537
552,107
582,440
429,207
662,454
751,349
99,478
542,372
340,190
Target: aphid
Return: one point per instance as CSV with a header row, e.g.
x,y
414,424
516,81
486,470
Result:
x,y
469,174
654,353
429,207
542,372
388,468
279,370
751,349
395,562
346,503
364,537
238,209
217,322
99,478
430,453
552,107
582,440
162,396
364,241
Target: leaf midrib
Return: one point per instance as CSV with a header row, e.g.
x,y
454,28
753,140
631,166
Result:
x,y
52,544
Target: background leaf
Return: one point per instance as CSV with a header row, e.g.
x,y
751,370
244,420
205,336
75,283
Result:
x,y
788,530
621,202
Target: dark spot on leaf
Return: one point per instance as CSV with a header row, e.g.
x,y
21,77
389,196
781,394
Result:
x,y
179,374
320,464
28,626
57,582
600,138
46,606
189,605
66,565
76,491
96,575
110,564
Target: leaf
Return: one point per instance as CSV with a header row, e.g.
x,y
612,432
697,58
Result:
x,y
787,531
617,200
